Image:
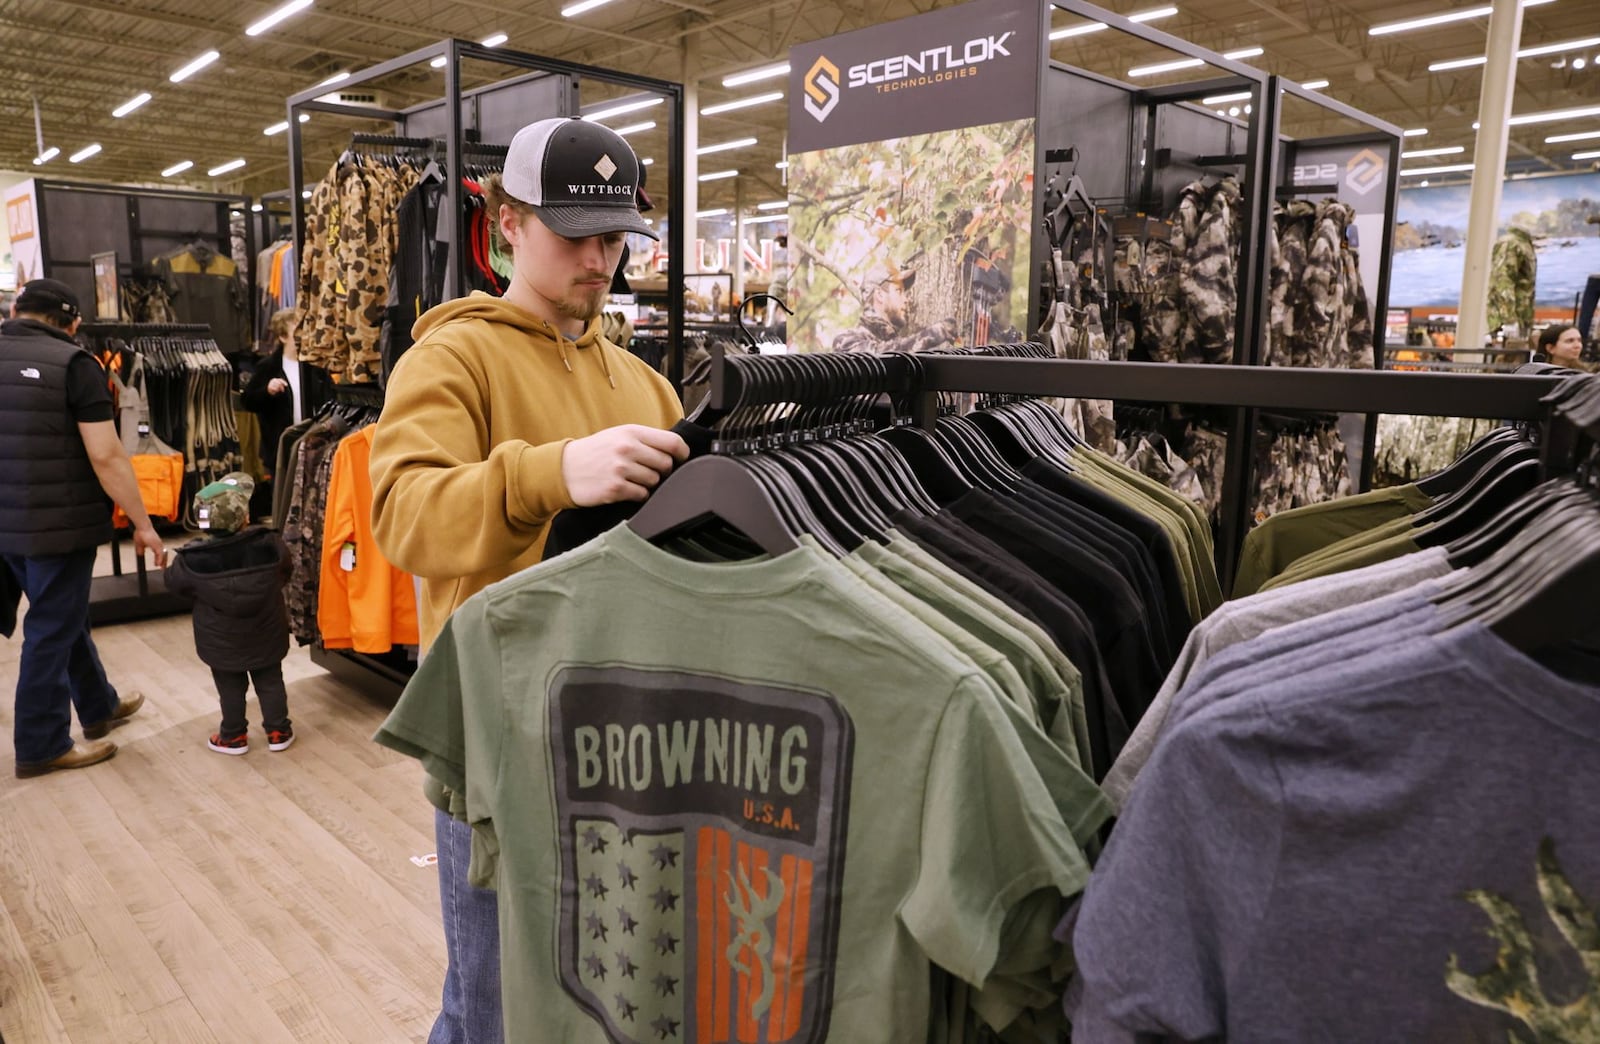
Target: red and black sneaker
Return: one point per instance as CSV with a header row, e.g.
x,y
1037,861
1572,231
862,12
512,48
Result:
x,y
280,739
234,745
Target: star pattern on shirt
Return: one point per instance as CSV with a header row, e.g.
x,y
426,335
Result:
x,y
594,840
628,877
665,985
624,1009
625,921
595,966
625,965
597,887
665,1027
665,899
666,943
663,857
596,926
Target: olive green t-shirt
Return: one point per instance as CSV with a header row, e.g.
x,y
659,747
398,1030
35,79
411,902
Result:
x,y
1289,536
768,825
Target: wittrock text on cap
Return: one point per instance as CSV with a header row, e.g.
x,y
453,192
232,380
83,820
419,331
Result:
x,y
581,178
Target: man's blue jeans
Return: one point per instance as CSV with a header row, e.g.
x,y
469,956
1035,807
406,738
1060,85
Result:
x,y
470,1013
60,668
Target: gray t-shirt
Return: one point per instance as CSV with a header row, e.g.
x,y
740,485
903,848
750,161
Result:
x,y
1246,618
1399,850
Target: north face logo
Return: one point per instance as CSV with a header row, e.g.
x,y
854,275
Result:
x,y
31,374
702,826
606,167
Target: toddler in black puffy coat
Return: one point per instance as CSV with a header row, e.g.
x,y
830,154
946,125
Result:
x,y
236,575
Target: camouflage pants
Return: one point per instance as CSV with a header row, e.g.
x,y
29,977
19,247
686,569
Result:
x,y
1298,469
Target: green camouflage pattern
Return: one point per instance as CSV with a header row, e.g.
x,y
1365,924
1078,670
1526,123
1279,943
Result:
x,y
223,507
1410,448
1513,270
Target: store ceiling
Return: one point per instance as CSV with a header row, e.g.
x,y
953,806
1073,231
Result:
x,y
81,59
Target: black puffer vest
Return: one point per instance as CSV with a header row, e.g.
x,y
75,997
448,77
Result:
x,y
50,500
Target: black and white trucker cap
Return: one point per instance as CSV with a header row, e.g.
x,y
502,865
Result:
x,y
581,178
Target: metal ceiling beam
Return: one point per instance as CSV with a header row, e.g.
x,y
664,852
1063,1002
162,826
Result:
x,y
207,26
125,43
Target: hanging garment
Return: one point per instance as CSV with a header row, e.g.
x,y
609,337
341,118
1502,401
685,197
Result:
x,y
363,602
157,467
1513,273
206,287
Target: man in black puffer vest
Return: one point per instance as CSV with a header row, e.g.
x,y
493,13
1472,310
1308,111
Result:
x,y
60,460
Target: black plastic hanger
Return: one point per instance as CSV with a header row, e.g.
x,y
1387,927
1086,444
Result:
x,y
1478,505
715,487
1470,463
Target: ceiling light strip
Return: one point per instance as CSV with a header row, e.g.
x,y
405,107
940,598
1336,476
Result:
x,y
293,7
194,66
1443,151
741,103
177,168
754,75
1441,19
1526,52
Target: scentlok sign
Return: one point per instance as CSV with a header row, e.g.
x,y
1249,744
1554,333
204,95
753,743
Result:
x,y
965,66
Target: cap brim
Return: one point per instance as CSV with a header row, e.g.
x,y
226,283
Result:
x,y
577,222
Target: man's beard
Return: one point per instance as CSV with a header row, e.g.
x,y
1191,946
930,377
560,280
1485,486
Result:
x,y
584,306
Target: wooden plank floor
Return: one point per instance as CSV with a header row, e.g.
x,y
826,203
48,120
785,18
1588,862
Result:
x,y
174,895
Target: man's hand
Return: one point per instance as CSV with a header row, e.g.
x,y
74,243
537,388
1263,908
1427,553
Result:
x,y
277,386
145,539
621,463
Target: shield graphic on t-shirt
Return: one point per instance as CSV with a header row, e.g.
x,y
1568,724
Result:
x,y
703,826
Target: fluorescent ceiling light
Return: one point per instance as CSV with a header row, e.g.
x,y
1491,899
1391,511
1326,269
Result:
x,y
276,128
131,104
256,208
618,110
177,168
291,8
742,103
1314,85
763,219
782,164
46,156
1556,139
753,75
725,146
1552,116
1526,52
1441,19
718,212
1593,154
1450,150
635,128
1223,99
305,193
719,175
84,153
439,62
781,204
231,165
583,6
1192,63
337,77
1415,132
1095,27
1450,169
194,66
647,161
494,41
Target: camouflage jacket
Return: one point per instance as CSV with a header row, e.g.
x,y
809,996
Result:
x,y
1513,267
1163,326
1209,283
877,335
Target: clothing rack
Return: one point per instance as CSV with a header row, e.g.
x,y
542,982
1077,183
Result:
x,y
747,381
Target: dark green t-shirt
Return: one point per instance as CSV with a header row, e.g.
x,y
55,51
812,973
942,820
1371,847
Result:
x,y
1289,536
767,825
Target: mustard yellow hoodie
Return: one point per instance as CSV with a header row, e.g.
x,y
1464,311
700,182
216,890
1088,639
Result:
x,y
466,459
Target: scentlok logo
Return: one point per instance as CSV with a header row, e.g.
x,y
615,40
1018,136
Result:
x,y
702,828
1364,172
903,71
822,89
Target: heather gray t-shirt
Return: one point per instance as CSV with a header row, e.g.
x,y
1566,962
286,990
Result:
x,y
1240,621
1403,850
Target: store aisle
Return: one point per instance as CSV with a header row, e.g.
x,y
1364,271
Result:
x,y
172,894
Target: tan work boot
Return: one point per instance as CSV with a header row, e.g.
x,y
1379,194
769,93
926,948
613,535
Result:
x,y
81,755
127,706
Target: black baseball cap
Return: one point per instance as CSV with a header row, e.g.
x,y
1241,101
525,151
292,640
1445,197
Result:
x,y
48,297
580,177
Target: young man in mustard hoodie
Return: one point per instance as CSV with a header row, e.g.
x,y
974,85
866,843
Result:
x,y
504,412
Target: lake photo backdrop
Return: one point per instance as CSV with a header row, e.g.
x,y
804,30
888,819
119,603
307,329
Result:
x,y
1428,250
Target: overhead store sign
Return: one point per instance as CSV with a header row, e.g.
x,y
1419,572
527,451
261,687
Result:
x,y
966,66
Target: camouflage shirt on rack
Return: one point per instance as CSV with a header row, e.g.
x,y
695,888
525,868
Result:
x,y
1513,268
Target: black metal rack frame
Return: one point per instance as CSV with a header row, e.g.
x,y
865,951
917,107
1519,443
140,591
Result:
x,y
453,51
137,232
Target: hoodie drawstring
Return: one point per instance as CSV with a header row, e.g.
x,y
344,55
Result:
x,y
605,366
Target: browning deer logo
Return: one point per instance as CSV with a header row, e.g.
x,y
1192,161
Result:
x,y
703,826
1513,986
